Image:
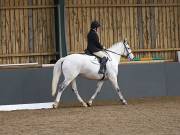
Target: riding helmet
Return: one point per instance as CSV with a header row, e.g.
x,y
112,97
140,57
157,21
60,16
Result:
x,y
95,25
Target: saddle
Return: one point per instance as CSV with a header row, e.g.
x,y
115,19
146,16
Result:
x,y
102,62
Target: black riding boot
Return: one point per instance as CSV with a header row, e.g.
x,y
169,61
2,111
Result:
x,y
102,65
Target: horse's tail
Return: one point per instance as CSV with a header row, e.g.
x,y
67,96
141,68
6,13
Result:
x,y
56,75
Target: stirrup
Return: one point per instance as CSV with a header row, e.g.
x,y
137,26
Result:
x,y
103,72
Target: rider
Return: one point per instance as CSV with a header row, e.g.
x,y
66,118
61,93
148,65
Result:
x,y
95,47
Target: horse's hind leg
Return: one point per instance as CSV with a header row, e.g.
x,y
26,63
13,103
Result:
x,y
113,80
99,86
74,88
62,86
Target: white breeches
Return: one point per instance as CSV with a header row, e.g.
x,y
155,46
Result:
x,y
100,54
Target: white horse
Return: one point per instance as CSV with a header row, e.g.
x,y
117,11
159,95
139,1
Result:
x,y
88,67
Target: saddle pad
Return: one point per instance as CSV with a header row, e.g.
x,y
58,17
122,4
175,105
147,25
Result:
x,y
95,61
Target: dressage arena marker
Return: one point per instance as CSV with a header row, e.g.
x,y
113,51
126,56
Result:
x,y
26,106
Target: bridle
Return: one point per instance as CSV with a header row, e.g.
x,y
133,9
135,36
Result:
x,y
128,53
125,49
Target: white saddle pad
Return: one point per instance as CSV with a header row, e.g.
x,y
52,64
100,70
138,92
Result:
x,y
93,59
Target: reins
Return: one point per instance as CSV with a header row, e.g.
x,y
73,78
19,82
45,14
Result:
x,y
118,53
112,52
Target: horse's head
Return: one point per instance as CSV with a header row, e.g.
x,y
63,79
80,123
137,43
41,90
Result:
x,y
127,50
121,48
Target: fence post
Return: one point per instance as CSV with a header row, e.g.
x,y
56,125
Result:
x,y
178,56
60,28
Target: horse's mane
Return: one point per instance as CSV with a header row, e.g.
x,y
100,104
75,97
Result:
x,y
114,46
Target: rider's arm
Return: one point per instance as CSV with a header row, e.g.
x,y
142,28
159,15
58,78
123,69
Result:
x,y
96,41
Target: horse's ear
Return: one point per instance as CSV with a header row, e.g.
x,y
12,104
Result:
x,y
125,41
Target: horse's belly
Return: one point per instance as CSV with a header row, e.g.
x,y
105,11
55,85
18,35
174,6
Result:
x,y
91,76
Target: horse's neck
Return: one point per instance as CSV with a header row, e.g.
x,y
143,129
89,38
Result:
x,y
116,58
117,49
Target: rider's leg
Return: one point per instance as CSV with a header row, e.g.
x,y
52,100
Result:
x,y
100,54
103,60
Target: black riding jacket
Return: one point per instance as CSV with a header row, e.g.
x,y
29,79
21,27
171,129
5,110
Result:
x,y
93,42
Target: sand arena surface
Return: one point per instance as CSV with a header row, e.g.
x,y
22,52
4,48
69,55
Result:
x,y
148,116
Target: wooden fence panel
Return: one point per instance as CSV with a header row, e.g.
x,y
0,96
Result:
x,y
152,27
27,31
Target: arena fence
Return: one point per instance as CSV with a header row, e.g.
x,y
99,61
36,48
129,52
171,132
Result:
x,y
152,27
27,28
27,31
33,85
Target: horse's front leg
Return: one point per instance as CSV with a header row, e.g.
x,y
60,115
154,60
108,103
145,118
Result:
x,y
114,81
99,86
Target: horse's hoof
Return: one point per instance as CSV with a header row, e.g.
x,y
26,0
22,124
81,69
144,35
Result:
x,y
55,105
85,105
124,102
89,104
